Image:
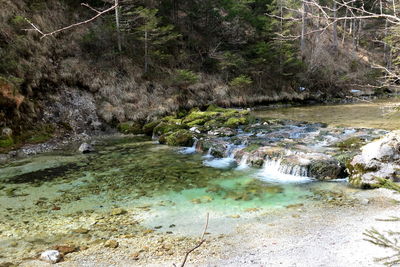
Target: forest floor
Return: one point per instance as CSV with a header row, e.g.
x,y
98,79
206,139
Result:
x,y
315,234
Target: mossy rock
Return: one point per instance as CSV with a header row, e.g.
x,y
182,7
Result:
x,y
200,115
215,108
165,127
172,119
351,143
252,147
148,128
178,138
214,124
130,127
6,141
235,122
198,122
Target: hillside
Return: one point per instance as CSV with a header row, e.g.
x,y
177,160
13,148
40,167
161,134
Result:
x,y
196,53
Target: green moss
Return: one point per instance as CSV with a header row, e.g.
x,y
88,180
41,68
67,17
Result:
x,y
164,127
148,128
39,134
235,122
389,184
6,142
196,122
215,108
252,147
351,143
179,138
200,115
130,128
213,124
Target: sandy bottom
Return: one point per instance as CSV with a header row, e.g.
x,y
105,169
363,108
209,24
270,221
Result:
x,y
313,234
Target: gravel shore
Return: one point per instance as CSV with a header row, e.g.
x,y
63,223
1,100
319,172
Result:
x,y
315,234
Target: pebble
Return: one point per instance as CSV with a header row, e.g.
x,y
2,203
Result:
x,y
364,201
50,256
118,211
111,244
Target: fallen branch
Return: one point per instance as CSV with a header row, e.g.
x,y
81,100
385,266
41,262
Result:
x,y
98,14
202,240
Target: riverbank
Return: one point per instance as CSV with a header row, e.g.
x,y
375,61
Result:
x,y
317,234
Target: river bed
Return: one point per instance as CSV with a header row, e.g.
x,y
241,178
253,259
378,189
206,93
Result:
x,y
133,187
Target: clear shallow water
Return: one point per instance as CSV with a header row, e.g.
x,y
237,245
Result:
x,y
48,199
376,114
65,197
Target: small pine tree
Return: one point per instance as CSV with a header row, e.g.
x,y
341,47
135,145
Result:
x,y
152,34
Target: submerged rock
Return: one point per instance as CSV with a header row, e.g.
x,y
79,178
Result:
x,y
51,256
86,148
378,160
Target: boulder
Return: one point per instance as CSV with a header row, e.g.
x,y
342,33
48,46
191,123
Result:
x,y
86,148
51,256
378,160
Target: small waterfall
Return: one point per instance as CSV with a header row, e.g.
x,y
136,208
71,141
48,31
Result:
x,y
232,149
190,150
243,162
208,155
275,170
227,162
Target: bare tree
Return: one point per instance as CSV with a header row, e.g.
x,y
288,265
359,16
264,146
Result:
x,y
357,15
117,10
99,13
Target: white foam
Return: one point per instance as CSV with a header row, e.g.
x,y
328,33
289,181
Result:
x,y
221,163
274,171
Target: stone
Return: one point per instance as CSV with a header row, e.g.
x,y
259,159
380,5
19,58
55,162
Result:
x,y
65,249
86,148
7,132
111,244
118,211
51,256
379,159
195,130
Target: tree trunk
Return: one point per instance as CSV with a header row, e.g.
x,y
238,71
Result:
x,y
303,30
335,37
146,52
118,26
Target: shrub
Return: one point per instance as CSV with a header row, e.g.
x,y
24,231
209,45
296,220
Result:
x,y
184,78
241,82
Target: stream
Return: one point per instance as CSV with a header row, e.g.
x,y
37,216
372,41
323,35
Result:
x,y
132,185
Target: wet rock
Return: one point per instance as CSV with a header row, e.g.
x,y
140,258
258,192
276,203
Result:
x,y
325,169
222,132
118,211
50,256
111,244
378,160
195,130
86,148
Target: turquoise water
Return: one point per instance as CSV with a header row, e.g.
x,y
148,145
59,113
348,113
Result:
x,y
44,199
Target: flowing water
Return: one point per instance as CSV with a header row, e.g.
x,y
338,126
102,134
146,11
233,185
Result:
x,y
379,114
134,185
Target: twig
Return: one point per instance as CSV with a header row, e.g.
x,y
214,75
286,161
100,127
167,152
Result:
x,y
99,13
202,240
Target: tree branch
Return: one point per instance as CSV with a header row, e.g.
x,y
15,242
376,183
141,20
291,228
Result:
x,y
202,240
99,13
